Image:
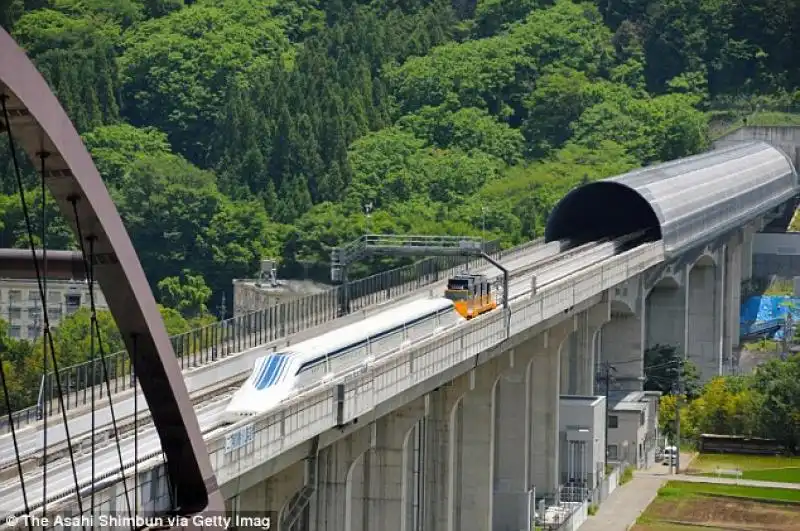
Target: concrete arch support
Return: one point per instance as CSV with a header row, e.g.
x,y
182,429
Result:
x,y
733,296
543,390
271,497
622,345
511,418
381,476
338,475
578,357
705,311
472,456
666,313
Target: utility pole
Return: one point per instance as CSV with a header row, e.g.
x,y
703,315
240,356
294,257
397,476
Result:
x,y
678,386
222,308
367,210
606,376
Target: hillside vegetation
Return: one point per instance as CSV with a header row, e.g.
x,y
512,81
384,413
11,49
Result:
x,y
231,130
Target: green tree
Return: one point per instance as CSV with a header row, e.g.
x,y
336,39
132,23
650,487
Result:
x,y
779,384
175,67
115,148
188,294
667,371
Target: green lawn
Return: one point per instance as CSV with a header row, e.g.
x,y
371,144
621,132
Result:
x,y
677,489
756,467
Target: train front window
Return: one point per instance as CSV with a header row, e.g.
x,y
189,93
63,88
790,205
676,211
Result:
x,y
457,295
458,284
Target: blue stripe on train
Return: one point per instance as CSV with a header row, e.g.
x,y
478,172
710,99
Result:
x,y
270,372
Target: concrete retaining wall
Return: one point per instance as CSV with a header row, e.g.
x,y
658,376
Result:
x,y
786,138
776,254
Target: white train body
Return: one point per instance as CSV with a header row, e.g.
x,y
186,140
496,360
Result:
x,y
283,373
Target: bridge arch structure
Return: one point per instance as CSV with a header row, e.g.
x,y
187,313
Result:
x,y
41,127
684,202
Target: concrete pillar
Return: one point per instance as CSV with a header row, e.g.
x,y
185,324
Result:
x,y
332,508
705,314
473,463
666,314
733,294
578,353
543,402
438,504
747,253
568,360
597,316
509,438
378,480
272,495
622,345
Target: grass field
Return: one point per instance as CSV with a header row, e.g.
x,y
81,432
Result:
x,y
682,506
757,467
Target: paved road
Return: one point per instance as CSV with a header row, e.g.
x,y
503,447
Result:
x,y
620,511
625,504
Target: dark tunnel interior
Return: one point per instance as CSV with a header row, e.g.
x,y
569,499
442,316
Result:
x,y
601,210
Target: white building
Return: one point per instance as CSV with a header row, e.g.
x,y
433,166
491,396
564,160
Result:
x,y
582,440
633,428
21,304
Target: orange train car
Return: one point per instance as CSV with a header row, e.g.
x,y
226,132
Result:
x,y
472,294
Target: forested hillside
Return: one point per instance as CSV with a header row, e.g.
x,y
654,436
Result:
x,y
230,130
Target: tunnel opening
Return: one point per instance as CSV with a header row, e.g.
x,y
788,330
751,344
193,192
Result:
x,y
599,210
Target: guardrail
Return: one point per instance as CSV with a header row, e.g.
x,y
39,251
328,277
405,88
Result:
x,y
347,397
207,344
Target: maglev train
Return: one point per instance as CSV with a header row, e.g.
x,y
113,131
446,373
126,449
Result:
x,y
281,374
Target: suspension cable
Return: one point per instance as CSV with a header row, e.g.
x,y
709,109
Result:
x,y
88,264
48,337
42,158
135,341
14,437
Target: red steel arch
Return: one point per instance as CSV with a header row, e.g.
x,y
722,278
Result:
x,y
40,125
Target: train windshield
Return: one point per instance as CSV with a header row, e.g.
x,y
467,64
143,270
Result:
x,y
456,295
270,370
457,283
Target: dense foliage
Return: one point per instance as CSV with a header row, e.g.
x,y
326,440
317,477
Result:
x,y
231,130
72,339
667,371
764,404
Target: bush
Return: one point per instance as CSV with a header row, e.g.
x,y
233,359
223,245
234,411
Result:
x,y
627,475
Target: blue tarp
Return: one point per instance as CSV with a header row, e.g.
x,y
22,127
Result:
x,y
758,311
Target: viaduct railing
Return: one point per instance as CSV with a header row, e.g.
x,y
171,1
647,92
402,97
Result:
x,y
209,343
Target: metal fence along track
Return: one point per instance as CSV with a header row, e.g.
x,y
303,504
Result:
x,y
204,345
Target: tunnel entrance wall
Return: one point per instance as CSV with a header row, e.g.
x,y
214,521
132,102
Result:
x,y
604,209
